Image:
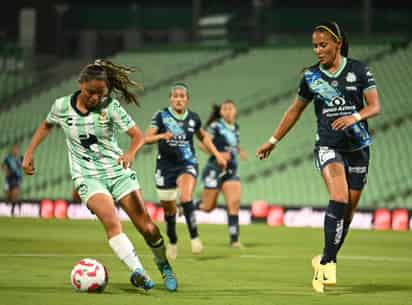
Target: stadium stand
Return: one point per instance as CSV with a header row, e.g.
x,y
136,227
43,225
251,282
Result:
x,y
263,83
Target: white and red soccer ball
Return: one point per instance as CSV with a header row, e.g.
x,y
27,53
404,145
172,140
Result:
x,y
89,275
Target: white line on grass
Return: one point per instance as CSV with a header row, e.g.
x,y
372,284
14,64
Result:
x,y
243,256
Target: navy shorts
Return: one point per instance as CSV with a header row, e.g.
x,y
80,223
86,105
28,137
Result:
x,y
11,183
166,175
213,176
356,164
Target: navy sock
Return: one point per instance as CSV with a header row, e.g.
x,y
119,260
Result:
x,y
346,224
233,223
171,228
189,211
333,230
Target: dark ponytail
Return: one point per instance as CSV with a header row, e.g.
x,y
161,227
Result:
x,y
214,115
116,76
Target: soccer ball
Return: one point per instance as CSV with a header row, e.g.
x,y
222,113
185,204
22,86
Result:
x,y
89,275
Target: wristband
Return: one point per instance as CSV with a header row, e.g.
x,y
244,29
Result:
x,y
357,116
273,140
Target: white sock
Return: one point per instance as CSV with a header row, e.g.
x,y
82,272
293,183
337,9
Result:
x,y
125,251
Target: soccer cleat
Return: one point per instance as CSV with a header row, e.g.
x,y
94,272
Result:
x,y
169,278
237,245
323,275
139,278
171,251
197,246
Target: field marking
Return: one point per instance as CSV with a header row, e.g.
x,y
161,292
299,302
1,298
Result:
x,y
243,256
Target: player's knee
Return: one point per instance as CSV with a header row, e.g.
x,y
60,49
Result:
x,y
207,207
113,228
340,197
149,230
185,197
169,209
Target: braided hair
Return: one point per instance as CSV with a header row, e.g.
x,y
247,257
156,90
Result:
x,y
116,77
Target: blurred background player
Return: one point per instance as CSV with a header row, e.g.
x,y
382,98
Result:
x,y
338,85
173,129
224,131
100,170
14,175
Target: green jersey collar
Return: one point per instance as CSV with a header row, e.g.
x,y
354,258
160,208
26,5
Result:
x,y
338,71
178,116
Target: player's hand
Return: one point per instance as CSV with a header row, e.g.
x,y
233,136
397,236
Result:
x,y
243,155
226,155
126,160
343,122
28,164
264,150
166,136
221,161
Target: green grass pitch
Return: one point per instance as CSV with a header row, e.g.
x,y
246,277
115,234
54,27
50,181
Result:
x,y
36,257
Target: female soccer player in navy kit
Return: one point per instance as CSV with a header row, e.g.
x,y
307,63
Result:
x,y
173,129
338,86
224,131
90,119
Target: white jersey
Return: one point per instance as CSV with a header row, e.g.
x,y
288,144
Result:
x,y
91,138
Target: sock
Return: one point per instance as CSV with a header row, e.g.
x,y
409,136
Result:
x,y
124,249
189,211
333,230
159,251
171,228
346,225
197,204
233,223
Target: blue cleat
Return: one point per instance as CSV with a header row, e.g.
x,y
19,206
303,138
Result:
x,y
169,278
140,279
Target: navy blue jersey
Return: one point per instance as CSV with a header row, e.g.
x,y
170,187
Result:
x,y
13,166
179,150
226,139
337,95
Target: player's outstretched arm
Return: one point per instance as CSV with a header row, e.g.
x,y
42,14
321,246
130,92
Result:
x,y
39,135
152,136
289,119
206,140
137,141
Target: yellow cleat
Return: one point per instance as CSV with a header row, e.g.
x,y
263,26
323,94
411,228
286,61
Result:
x,y
171,251
323,275
197,246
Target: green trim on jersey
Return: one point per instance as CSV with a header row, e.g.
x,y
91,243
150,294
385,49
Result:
x,y
338,71
177,116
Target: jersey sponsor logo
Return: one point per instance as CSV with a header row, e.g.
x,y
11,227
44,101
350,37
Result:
x,y
351,77
334,83
357,169
338,101
325,154
87,140
192,170
103,118
82,189
160,180
351,88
